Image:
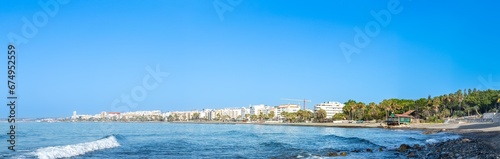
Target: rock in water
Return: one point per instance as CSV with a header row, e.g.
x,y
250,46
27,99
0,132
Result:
x,y
466,140
333,154
343,154
427,132
369,150
403,147
412,154
418,147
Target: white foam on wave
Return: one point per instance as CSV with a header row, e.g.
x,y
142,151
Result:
x,y
76,149
431,141
442,139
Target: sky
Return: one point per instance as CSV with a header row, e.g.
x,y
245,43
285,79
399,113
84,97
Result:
x,y
126,55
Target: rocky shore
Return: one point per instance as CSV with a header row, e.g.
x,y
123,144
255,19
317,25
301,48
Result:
x,y
479,145
471,145
476,145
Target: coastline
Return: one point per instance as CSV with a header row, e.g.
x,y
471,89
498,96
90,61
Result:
x,y
478,140
440,127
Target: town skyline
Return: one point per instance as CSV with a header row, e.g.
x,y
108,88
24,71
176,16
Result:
x,y
231,113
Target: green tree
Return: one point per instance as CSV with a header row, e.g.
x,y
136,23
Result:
x,y
320,115
349,108
360,113
219,116
196,116
253,117
498,102
304,115
271,115
284,115
262,116
339,116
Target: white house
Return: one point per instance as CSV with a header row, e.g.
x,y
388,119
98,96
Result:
x,y
331,108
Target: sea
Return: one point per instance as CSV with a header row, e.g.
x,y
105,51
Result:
x,y
96,140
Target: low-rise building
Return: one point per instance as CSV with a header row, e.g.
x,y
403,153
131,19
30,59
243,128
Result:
x,y
331,108
289,108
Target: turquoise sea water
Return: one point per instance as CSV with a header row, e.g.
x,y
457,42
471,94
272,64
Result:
x,y
167,140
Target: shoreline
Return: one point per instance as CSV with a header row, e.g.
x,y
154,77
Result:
x,y
454,128
477,140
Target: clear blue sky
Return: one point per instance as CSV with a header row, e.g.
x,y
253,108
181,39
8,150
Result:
x,y
91,52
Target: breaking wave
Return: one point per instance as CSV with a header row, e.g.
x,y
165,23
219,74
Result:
x,y
66,151
352,140
442,138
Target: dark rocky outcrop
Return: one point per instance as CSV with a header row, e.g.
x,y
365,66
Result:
x,y
332,154
403,148
343,154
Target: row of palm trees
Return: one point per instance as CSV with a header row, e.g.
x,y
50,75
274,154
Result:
x,y
467,102
299,116
471,102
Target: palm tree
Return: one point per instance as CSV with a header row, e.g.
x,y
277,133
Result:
x,y
436,103
476,108
347,109
361,106
353,111
372,109
387,106
253,117
498,102
284,115
320,115
350,107
218,116
460,98
467,109
262,116
196,116
271,115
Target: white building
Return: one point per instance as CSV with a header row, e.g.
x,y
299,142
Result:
x,y
74,116
331,108
232,113
211,115
245,111
290,108
257,109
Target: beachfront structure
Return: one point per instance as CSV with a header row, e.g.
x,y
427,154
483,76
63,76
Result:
x,y
74,116
331,108
257,109
232,113
244,112
147,115
398,119
183,115
143,113
290,108
211,115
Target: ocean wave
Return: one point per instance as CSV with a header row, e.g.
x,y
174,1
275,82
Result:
x,y
76,149
274,144
441,139
352,140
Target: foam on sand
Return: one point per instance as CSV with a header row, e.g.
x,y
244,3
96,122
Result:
x,y
76,149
